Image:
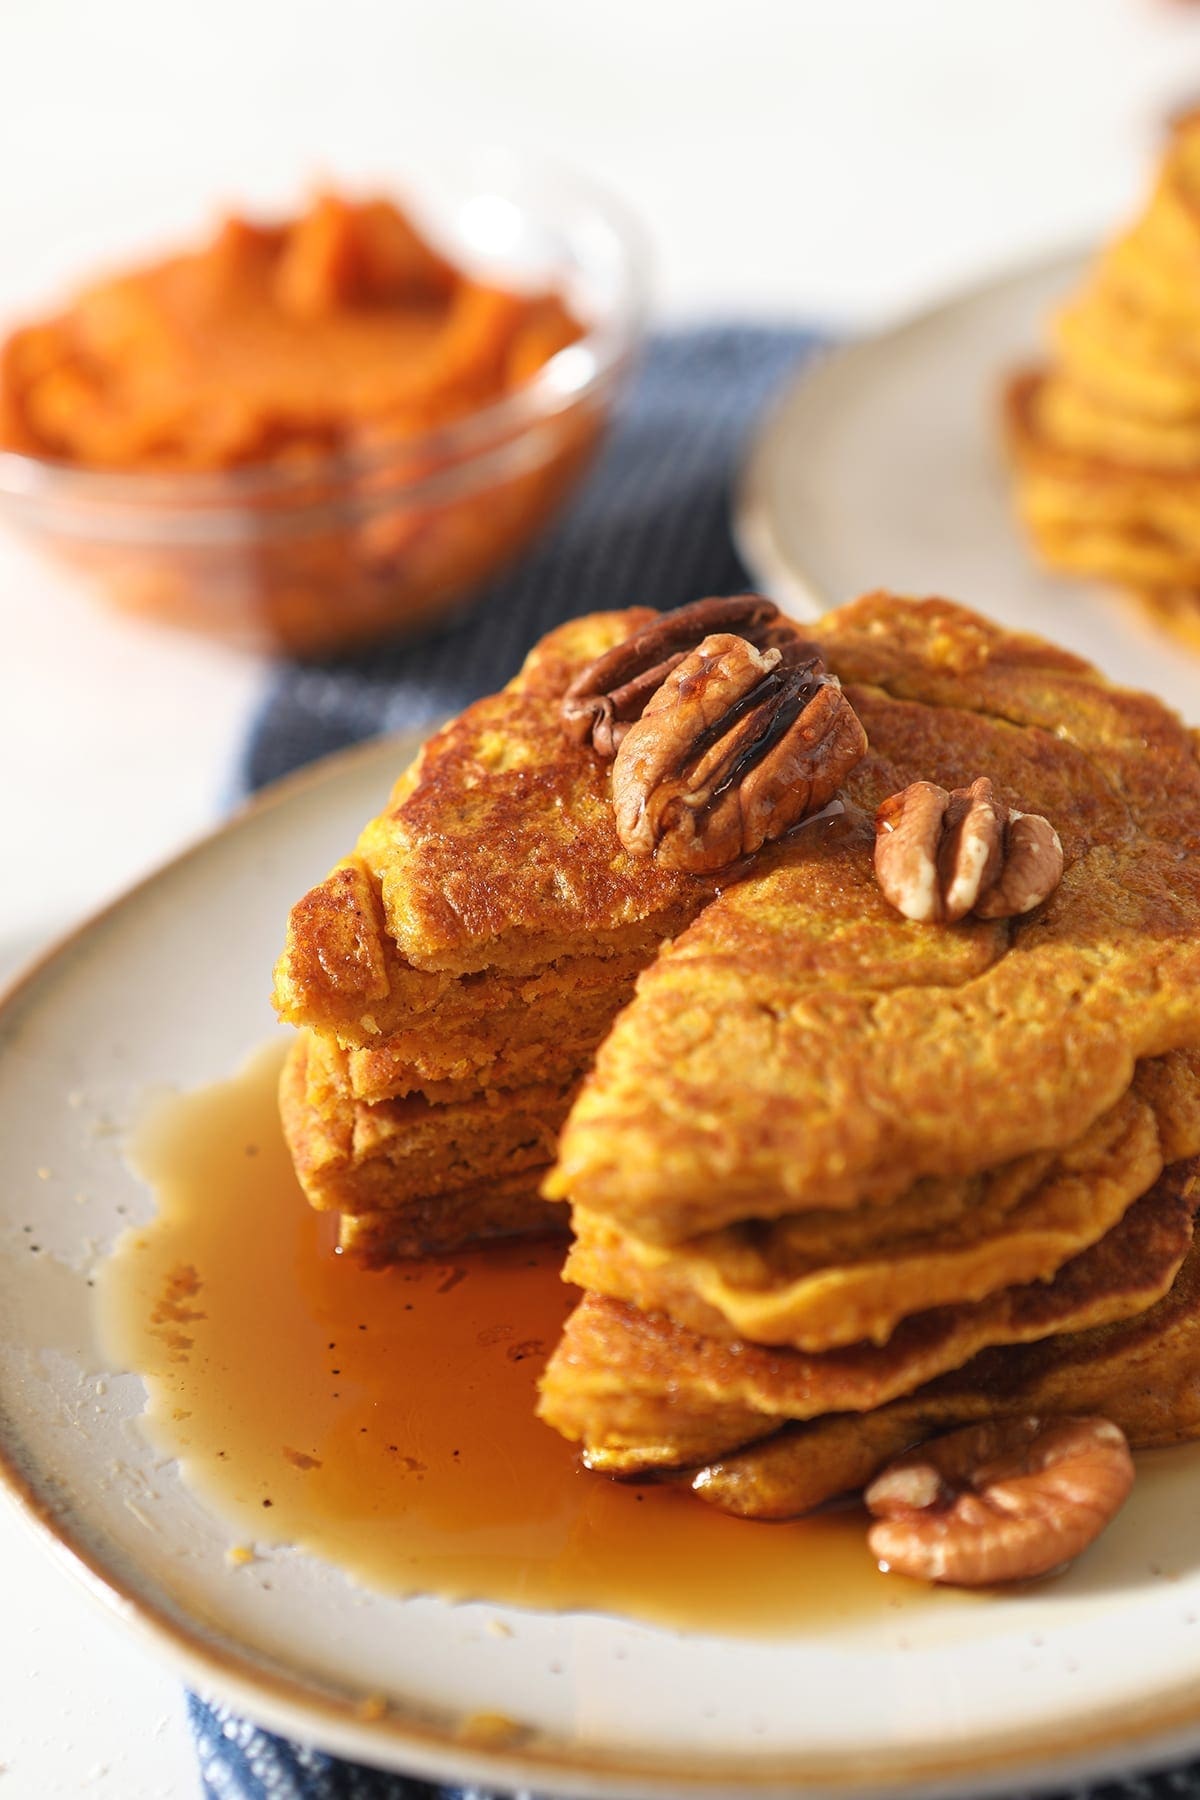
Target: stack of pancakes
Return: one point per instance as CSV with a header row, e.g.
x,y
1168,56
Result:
x,y
453,976
1107,439
839,1179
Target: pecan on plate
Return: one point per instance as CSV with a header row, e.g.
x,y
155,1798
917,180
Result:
x,y
940,856
1002,1501
610,693
737,745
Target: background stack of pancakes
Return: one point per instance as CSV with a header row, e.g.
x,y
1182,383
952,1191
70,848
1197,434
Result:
x,y
454,975
835,1166
1107,439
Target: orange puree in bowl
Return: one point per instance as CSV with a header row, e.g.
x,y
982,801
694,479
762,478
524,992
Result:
x,y
272,344
289,438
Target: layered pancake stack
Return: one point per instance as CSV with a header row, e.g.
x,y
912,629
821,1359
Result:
x,y
1106,439
839,1179
454,974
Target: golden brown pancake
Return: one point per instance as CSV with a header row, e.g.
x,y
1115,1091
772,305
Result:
x,y
497,851
642,1393
1129,522
354,1157
502,1206
1142,1373
800,1047
1106,440
775,1283
819,1280
455,972
547,1036
341,976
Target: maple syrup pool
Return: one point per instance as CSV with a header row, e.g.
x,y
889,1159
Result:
x,y
385,1421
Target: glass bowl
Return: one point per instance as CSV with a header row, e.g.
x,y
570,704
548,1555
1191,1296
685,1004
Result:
x,y
319,558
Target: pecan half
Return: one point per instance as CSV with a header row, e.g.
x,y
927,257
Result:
x,y
940,856
1002,1501
611,692
737,745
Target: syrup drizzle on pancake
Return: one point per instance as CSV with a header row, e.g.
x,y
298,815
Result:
x,y
385,1421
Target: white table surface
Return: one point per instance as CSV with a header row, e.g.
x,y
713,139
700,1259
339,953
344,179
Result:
x,y
835,159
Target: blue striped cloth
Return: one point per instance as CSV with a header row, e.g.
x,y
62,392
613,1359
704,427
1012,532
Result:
x,y
650,527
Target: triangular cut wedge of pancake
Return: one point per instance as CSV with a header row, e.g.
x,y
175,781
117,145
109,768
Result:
x,y
453,975
642,1393
491,890
817,1281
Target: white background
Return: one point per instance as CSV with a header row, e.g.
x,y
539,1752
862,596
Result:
x,y
839,160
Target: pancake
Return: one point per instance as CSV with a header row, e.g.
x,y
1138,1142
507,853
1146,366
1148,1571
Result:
x,y
643,1393
1142,1373
820,1280
354,1157
454,974
800,1047
500,1207
418,895
547,1036
341,975
1106,439
1130,516
456,971
775,1284
1060,413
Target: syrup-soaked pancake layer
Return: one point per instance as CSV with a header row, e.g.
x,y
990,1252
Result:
x,y
1142,1373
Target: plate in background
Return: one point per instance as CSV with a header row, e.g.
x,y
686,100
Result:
x,y
1088,1674
883,467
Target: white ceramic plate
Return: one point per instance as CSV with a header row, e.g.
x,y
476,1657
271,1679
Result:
x,y
884,467
1094,1672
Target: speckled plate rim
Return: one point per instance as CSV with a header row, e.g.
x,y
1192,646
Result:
x,y
1161,1728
